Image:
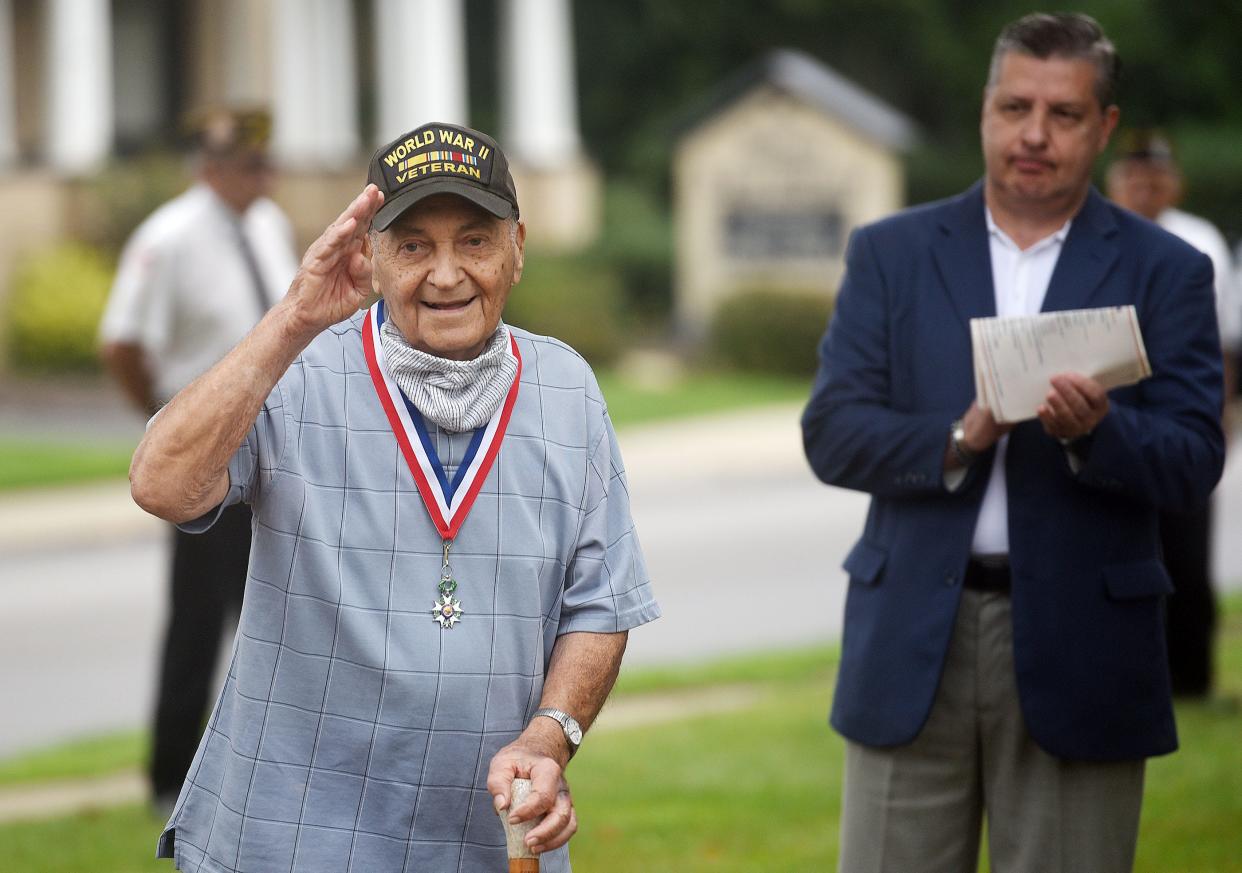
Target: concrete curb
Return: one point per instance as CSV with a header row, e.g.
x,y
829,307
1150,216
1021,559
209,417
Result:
x,y
80,515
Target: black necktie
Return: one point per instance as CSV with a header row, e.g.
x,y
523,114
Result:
x,y
256,278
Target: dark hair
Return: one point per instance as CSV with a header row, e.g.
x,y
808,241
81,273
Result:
x,y
1062,35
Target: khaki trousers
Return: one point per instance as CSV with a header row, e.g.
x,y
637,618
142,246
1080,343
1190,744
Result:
x,y
918,808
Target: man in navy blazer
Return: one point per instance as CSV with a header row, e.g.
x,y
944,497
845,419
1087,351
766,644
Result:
x,y
1003,650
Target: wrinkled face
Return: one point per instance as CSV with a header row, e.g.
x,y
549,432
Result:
x,y
445,269
1145,187
240,177
1042,129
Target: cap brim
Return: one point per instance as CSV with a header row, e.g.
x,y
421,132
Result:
x,y
393,209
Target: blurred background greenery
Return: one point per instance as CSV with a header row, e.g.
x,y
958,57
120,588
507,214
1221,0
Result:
x,y
644,68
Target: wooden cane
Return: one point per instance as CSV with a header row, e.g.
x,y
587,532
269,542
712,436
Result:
x,y
521,859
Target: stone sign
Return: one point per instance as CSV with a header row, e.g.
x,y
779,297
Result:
x,y
788,158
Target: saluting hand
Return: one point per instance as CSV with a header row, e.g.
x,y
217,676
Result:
x,y
335,275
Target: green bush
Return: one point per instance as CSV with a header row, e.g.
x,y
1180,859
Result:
x,y
771,331
56,300
637,244
575,301
110,204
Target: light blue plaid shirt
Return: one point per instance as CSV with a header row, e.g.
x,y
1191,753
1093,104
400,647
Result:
x,y
352,732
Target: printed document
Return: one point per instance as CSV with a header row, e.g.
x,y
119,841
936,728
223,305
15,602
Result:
x,y
1015,358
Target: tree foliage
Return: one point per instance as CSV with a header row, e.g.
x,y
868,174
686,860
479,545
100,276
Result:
x,y
643,65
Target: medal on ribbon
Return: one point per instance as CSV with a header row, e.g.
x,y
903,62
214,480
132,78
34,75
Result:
x,y
448,503
447,610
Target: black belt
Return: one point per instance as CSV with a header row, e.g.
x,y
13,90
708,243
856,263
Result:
x,y
987,575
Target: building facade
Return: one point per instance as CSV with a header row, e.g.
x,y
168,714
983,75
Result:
x,y
772,174
84,83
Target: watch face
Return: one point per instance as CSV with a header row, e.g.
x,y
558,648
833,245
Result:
x,y
574,733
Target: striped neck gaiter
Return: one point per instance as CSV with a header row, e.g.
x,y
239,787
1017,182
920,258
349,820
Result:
x,y
456,395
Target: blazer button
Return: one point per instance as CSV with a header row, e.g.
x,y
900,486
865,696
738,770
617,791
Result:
x,y
950,580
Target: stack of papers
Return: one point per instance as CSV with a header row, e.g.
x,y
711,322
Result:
x,y
1015,358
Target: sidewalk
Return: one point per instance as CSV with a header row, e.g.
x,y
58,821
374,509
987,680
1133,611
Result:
x,y
756,441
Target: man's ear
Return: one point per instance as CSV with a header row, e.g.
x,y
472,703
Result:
x,y
1108,123
520,256
369,240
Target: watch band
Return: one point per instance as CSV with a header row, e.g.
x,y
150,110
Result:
x,y
569,724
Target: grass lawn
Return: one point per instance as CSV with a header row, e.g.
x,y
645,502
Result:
x,y
696,394
26,463
98,756
752,790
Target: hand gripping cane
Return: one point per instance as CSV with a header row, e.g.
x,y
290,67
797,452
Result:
x,y
521,860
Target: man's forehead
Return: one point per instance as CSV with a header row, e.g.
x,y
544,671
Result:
x,y
1054,77
444,208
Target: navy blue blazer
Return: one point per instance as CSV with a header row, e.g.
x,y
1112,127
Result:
x,y
1088,584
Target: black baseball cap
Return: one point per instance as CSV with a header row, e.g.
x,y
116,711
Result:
x,y
440,158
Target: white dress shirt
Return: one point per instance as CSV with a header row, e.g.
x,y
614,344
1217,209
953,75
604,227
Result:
x,y
183,290
1020,280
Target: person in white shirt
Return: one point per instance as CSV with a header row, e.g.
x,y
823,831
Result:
x,y
193,279
1145,178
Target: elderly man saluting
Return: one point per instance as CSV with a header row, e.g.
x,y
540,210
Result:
x,y
444,566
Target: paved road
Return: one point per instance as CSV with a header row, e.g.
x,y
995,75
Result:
x,y
743,545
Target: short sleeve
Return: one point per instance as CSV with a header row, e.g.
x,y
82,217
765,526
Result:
x,y
607,587
140,304
260,455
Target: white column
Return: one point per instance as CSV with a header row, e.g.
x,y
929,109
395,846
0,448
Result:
x,y
8,108
315,85
247,48
539,112
420,57
79,77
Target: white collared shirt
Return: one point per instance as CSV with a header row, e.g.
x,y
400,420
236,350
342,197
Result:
x,y
1204,236
183,290
1020,280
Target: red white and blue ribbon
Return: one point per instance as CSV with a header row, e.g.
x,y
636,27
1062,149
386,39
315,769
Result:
x,y
448,502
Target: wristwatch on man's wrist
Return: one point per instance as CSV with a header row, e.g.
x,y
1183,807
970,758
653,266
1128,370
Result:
x,y
957,441
569,724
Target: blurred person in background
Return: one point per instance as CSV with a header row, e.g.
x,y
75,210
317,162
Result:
x,y
193,279
1002,654
1144,177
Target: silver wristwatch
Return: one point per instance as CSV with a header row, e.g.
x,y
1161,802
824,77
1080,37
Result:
x,y
569,724
957,441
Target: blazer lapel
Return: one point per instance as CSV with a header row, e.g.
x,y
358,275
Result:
x,y
1089,254
962,256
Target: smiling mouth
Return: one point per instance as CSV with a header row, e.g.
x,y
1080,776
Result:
x,y
449,306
